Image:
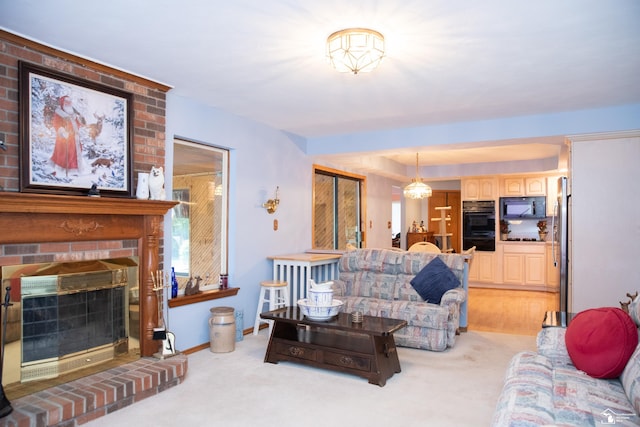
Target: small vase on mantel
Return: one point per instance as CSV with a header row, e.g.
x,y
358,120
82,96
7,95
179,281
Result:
x,y
142,191
542,235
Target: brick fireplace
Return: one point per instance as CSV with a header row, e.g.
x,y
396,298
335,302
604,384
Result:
x,y
31,223
30,220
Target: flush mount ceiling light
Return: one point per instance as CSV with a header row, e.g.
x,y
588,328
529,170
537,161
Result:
x,y
355,50
417,189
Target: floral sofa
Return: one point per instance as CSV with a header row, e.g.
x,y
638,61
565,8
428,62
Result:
x,y
544,388
377,282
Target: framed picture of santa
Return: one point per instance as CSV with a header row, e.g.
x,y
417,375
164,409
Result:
x,y
75,135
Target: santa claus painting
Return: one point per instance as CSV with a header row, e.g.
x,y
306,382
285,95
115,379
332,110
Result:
x,y
67,153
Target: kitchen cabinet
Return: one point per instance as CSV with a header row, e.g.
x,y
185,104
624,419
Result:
x,y
524,264
535,186
479,189
482,267
513,187
519,186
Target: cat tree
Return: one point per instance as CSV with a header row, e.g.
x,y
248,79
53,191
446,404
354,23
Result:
x,y
445,238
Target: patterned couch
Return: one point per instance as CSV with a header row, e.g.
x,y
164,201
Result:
x,y
546,389
376,282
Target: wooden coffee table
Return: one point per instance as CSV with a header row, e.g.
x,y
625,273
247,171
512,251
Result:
x,y
365,349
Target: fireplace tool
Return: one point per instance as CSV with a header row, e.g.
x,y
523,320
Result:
x,y
161,332
5,405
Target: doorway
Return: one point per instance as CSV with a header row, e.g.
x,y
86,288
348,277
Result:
x,y
337,209
441,198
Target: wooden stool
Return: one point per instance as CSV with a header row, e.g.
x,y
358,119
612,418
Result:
x,y
278,296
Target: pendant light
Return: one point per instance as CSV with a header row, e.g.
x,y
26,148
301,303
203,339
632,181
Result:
x,y
417,189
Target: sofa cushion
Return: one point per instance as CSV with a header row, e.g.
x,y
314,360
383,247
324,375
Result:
x,y
434,280
374,260
600,341
374,285
368,306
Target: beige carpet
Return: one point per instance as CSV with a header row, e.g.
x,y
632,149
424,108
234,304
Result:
x,y
458,387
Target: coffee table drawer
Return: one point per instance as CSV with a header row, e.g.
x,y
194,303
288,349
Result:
x,y
347,361
297,351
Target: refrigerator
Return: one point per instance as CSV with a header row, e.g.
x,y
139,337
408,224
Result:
x,y
560,243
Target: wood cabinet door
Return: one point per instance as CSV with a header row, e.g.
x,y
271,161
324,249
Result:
x,y
513,268
534,267
479,188
536,186
471,189
488,189
513,187
482,267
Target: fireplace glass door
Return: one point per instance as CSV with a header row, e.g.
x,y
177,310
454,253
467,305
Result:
x,y
55,326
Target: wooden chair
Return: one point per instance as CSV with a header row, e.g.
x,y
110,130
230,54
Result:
x,y
424,247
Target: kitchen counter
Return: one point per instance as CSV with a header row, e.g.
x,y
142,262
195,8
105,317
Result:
x,y
521,265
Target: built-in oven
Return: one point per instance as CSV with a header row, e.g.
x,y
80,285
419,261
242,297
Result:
x,y
479,225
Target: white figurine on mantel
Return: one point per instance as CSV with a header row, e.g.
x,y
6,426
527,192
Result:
x,y
142,191
156,183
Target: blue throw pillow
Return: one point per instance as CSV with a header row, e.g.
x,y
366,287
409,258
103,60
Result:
x,y
434,280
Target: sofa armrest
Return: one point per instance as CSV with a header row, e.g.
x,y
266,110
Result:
x,y
453,296
551,344
339,288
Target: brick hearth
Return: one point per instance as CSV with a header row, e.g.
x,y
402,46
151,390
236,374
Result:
x,y
85,399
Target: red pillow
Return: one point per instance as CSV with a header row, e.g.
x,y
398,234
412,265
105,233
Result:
x,y
600,341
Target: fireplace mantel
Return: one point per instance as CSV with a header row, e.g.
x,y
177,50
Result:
x,y
49,203
43,218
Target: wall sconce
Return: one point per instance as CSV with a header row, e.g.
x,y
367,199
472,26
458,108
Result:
x,y
272,204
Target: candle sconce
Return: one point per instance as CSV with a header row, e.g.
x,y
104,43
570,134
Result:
x,y
272,204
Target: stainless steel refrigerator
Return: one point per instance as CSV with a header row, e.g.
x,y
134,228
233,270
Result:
x,y
560,243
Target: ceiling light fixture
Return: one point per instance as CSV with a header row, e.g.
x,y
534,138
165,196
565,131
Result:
x,y
355,50
417,189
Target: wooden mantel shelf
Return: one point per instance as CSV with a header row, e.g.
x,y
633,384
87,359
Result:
x,y
51,203
202,296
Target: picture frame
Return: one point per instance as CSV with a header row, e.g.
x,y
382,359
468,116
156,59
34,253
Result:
x,y
75,134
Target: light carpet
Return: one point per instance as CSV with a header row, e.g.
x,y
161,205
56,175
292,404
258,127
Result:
x,y
458,387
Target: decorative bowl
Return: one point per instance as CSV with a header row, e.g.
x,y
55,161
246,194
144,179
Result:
x,y
316,312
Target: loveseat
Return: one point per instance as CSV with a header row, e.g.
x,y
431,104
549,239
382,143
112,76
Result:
x,y
545,388
377,282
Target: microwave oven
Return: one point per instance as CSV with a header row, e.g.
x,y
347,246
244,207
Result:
x,y
523,207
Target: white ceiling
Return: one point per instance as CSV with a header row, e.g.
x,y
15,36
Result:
x,y
447,61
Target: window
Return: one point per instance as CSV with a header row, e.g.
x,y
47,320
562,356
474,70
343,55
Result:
x,y
337,209
199,221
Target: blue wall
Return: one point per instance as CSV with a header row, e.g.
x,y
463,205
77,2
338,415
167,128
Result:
x,y
261,159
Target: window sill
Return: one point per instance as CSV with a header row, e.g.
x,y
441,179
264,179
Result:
x,y
202,296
